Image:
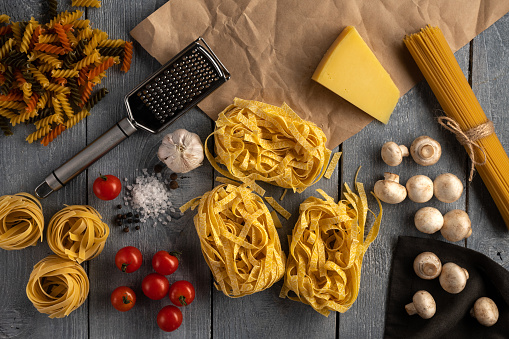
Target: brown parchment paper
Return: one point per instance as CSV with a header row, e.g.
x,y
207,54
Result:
x,y
272,47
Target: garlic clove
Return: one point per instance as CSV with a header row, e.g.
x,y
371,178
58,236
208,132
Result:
x,y
181,151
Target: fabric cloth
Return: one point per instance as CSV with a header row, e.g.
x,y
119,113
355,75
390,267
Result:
x,y
452,318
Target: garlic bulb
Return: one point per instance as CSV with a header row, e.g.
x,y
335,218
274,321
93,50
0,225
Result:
x,y
181,151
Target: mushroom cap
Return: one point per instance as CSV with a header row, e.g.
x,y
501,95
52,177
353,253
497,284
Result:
x,y
447,187
390,191
457,226
453,278
420,188
392,153
425,151
427,265
423,304
428,220
485,311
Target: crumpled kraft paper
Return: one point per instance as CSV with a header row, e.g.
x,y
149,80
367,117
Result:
x,y
272,47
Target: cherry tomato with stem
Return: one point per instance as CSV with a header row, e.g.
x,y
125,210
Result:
x,y
123,298
107,187
169,318
165,263
182,293
155,286
128,259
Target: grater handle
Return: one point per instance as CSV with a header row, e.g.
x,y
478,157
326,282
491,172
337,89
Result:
x,y
86,157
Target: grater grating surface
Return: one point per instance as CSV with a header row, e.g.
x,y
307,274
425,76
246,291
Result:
x,y
177,87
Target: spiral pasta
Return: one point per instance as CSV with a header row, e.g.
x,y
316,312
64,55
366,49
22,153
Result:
x,y
257,141
21,221
77,118
238,240
86,3
6,48
55,132
326,249
77,233
128,55
57,286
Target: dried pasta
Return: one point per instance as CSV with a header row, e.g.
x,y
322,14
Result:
x,y
21,221
54,65
238,240
327,245
86,3
77,232
257,141
436,61
57,286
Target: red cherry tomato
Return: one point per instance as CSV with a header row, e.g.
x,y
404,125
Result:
x,y
169,318
107,187
128,259
181,293
123,298
155,286
165,263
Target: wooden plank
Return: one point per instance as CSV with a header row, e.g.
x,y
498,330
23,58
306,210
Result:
x,y
136,153
489,81
22,167
414,116
264,314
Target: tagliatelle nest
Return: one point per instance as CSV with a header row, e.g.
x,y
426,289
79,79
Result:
x,y
57,286
21,221
257,141
327,245
238,240
77,233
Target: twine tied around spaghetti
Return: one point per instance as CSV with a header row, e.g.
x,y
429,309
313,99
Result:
x,y
469,138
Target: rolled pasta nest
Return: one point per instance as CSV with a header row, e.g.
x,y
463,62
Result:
x,y
21,221
238,240
77,232
327,245
257,141
57,286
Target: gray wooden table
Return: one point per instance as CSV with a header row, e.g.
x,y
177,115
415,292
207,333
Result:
x,y
263,315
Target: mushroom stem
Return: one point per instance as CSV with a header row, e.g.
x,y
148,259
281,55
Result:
x,y
410,309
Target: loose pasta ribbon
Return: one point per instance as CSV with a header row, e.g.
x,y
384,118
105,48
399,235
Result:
x,y
327,245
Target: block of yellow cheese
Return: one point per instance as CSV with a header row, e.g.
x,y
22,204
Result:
x,y
351,70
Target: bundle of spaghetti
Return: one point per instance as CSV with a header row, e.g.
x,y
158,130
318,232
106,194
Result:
x,y
436,61
57,286
327,246
257,141
21,221
238,240
77,232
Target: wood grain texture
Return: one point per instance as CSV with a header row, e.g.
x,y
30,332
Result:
x,y
490,80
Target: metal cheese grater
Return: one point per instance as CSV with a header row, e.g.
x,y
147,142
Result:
x,y
152,106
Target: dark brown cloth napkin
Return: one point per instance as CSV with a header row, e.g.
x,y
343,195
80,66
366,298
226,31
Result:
x,y
452,318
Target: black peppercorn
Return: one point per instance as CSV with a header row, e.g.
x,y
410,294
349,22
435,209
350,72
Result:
x,y
129,221
129,214
124,216
137,227
119,216
173,176
174,185
126,229
136,220
119,222
119,206
136,215
158,168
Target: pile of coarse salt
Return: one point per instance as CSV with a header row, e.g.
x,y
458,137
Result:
x,y
150,196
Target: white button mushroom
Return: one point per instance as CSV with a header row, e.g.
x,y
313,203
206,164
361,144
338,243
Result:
x,y
426,151
428,220
420,188
392,153
485,311
457,226
447,187
422,304
427,265
389,190
453,278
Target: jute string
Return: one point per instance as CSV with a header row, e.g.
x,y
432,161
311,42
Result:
x,y
469,138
